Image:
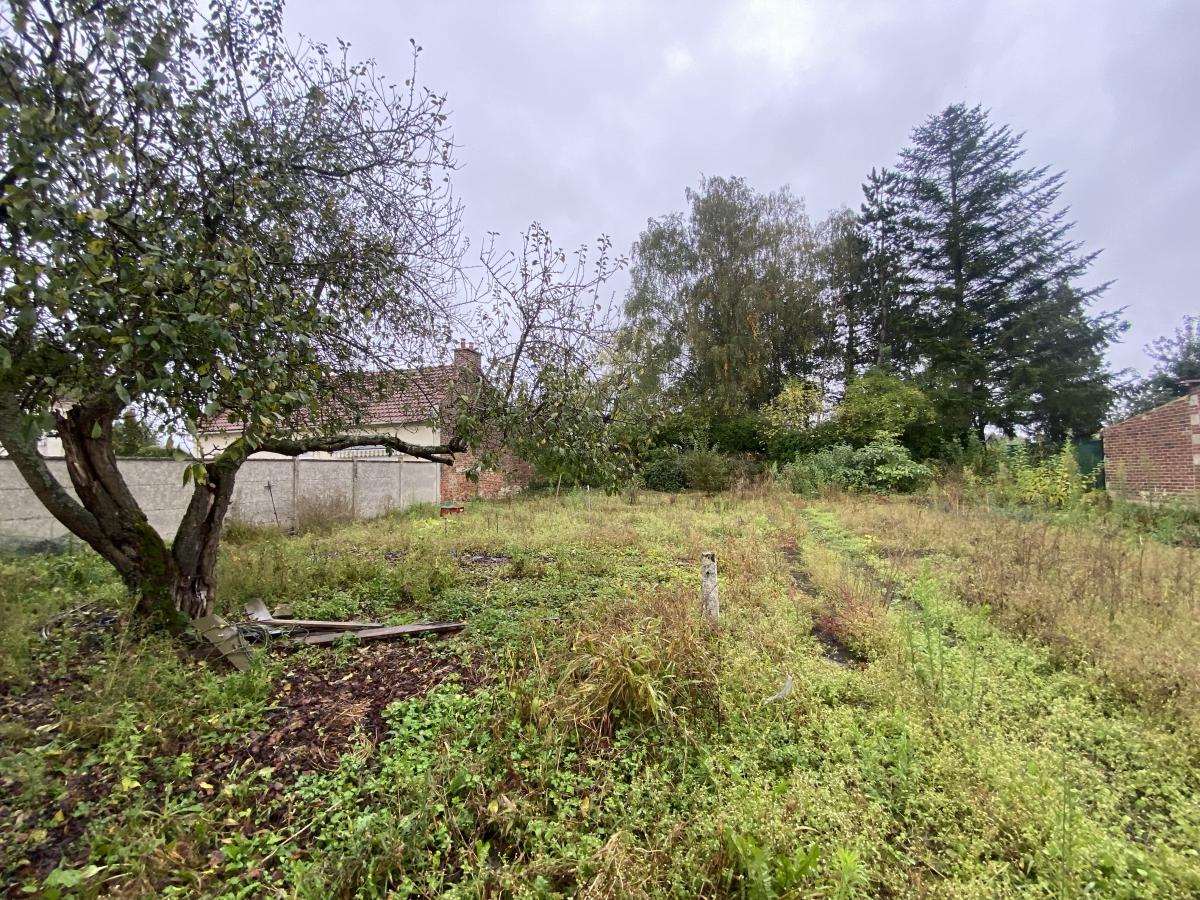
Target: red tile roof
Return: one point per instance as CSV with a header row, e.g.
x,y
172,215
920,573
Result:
x,y
386,398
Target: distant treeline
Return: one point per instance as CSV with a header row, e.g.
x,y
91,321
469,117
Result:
x,y
958,277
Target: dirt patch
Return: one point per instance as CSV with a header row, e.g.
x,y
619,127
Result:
x,y
800,576
35,705
480,558
328,703
826,629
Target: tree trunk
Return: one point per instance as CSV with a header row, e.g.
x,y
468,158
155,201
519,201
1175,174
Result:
x,y
199,536
170,584
129,542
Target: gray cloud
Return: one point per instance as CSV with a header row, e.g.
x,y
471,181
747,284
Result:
x,y
593,116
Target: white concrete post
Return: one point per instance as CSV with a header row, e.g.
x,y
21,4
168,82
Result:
x,y
710,603
399,484
354,489
295,493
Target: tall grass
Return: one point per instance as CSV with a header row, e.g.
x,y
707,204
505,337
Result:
x,y
608,744
1127,605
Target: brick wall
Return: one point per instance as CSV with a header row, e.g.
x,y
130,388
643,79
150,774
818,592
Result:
x,y
511,477
1156,455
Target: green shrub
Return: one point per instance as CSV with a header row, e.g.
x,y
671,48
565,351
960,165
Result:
x,y
796,408
687,428
983,459
887,465
1024,479
663,471
740,434
706,470
880,402
1054,482
832,467
785,446
746,467
882,465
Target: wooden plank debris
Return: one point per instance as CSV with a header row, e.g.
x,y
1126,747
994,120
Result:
x,y
257,610
225,638
328,632
368,634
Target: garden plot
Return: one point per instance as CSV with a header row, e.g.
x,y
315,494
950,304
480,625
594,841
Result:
x,y
861,721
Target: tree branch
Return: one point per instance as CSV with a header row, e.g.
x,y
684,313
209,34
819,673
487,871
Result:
x,y
439,453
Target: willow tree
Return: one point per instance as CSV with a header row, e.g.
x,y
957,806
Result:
x,y
725,302
196,218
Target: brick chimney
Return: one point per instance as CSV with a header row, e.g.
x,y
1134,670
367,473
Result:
x,y
467,357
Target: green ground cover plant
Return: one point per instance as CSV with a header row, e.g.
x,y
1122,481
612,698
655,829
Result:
x,y
878,712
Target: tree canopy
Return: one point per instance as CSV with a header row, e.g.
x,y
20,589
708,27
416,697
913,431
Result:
x,y
1176,360
199,218
959,274
724,303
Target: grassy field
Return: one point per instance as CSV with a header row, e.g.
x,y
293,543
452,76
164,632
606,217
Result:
x,y
898,701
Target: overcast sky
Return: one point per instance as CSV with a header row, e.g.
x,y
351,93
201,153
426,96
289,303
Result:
x,y
593,116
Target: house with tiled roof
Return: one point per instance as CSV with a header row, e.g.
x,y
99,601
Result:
x,y
407,405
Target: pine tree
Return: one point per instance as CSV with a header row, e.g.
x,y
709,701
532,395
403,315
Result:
x,y
993,272
1060,388
885,282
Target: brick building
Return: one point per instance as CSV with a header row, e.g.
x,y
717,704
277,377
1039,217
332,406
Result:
x,y
512,474
410,405
1156,455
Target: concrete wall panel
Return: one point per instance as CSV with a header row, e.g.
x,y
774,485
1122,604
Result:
x,y
265,491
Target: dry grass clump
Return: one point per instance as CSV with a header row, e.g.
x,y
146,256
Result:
x,y
648,660
852,605
319,514
624,871
1128,606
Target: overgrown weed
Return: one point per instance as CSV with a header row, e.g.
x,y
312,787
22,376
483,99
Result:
x,y
1128,607
615,746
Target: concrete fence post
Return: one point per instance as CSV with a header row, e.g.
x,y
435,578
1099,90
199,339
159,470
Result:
x,y
710,602
295,493
354,489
